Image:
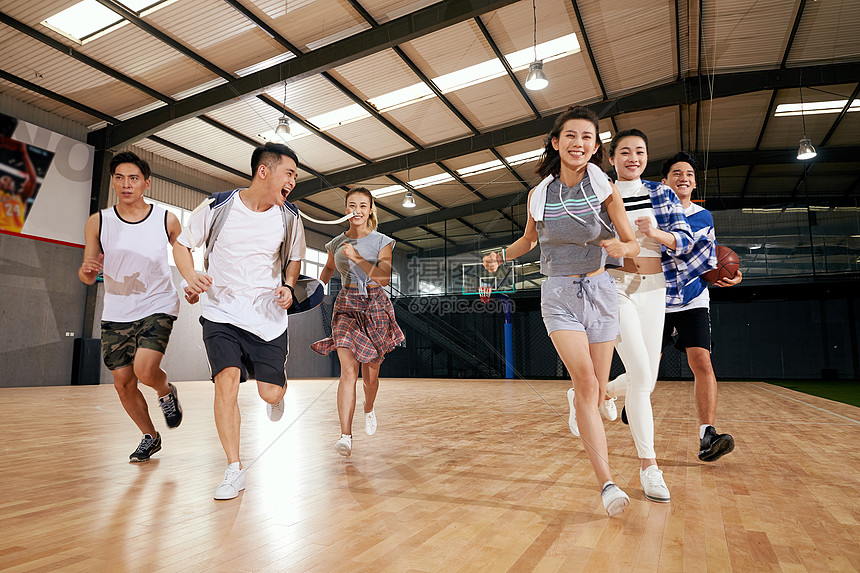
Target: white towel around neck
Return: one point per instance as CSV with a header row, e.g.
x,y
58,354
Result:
x,y
599,182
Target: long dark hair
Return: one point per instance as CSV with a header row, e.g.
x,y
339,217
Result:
x,y
549,163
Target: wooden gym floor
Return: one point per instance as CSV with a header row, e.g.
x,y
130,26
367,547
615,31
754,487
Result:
x,y
464,475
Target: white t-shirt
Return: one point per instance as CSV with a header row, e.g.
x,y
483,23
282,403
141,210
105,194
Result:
x,y
244,267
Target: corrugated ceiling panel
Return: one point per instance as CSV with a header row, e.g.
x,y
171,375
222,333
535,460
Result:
x,y
238,43
172,155
23,97
303,22
738,34
375,75
660,125
732,123
688,36
395,203
511,26
848,131
429,122
632,44
827,33
310,97
448,50
33,61
491,104
135,53
371,138
570,82
34,11
785,132
252,117
213,143
385,10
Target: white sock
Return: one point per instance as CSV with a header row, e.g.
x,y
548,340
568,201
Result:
x,y
606,485
702,430
234,465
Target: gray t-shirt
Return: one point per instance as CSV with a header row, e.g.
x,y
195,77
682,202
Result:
x,y
368,247
571,231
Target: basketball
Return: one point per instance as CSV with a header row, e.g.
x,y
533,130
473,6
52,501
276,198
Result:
x,y
727,265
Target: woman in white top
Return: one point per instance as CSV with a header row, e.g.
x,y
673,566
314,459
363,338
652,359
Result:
x,y
363,326
658,220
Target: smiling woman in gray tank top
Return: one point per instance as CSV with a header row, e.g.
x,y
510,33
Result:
x,y
574,214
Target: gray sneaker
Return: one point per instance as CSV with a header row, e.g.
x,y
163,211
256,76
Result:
x,y
171,408
148,446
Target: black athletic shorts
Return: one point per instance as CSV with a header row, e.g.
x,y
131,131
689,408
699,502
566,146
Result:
x,y
688,329
256,359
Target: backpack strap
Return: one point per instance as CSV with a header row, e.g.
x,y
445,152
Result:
x,y
220,207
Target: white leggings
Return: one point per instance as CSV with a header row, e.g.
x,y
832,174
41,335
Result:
x,y
641,310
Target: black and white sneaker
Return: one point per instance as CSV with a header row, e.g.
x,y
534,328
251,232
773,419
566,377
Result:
x,y
714,446
171,408
148,446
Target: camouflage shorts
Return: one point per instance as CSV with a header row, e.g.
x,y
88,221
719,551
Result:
x,y
120,340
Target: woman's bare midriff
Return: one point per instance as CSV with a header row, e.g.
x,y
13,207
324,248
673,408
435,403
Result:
x,y
643,266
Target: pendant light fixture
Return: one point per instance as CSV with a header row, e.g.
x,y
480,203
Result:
x,y
805,150
283,128
536,80
409,200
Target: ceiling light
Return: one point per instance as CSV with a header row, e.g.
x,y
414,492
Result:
x,y
536,79
283,126
806,150
409,200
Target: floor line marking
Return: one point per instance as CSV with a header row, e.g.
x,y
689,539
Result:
x,y
807,404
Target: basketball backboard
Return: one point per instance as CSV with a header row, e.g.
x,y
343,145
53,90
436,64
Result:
x,y
503,280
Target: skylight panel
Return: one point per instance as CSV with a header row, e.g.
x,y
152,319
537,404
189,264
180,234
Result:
x,y
481,168
88,19
521,158
432,180
605,136
815,107
386,191
547,51
401,97
82,19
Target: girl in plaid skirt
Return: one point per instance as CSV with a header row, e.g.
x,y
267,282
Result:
x,y
363,325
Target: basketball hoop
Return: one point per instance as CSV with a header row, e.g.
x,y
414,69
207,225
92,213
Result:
x,y
484,291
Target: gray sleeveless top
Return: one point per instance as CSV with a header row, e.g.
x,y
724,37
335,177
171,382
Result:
x,y
575,221
368,247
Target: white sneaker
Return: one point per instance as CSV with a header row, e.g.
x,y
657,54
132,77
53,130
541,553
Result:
x,y
275,411
653,484
344,445
614,500
571,420
370,424
608,410
234,482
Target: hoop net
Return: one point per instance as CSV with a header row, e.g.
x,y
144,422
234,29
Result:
x,y
484,291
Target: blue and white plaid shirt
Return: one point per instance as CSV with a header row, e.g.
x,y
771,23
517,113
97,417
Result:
x,y
695,252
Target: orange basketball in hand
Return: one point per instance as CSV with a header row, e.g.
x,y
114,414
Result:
x,y
727,265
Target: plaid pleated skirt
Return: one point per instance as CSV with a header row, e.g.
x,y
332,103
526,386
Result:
x,y
364,324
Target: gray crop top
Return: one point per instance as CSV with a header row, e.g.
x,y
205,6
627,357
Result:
x,y
570,245
368,247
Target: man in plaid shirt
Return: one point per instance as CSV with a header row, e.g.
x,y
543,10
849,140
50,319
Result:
x,y
688,320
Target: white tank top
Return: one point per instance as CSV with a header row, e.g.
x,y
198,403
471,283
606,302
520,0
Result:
x,y
137,276
637,203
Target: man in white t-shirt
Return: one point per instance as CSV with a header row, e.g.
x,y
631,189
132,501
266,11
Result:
x,y
255,243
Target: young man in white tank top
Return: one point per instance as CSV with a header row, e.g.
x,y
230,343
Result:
x,y
129,243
